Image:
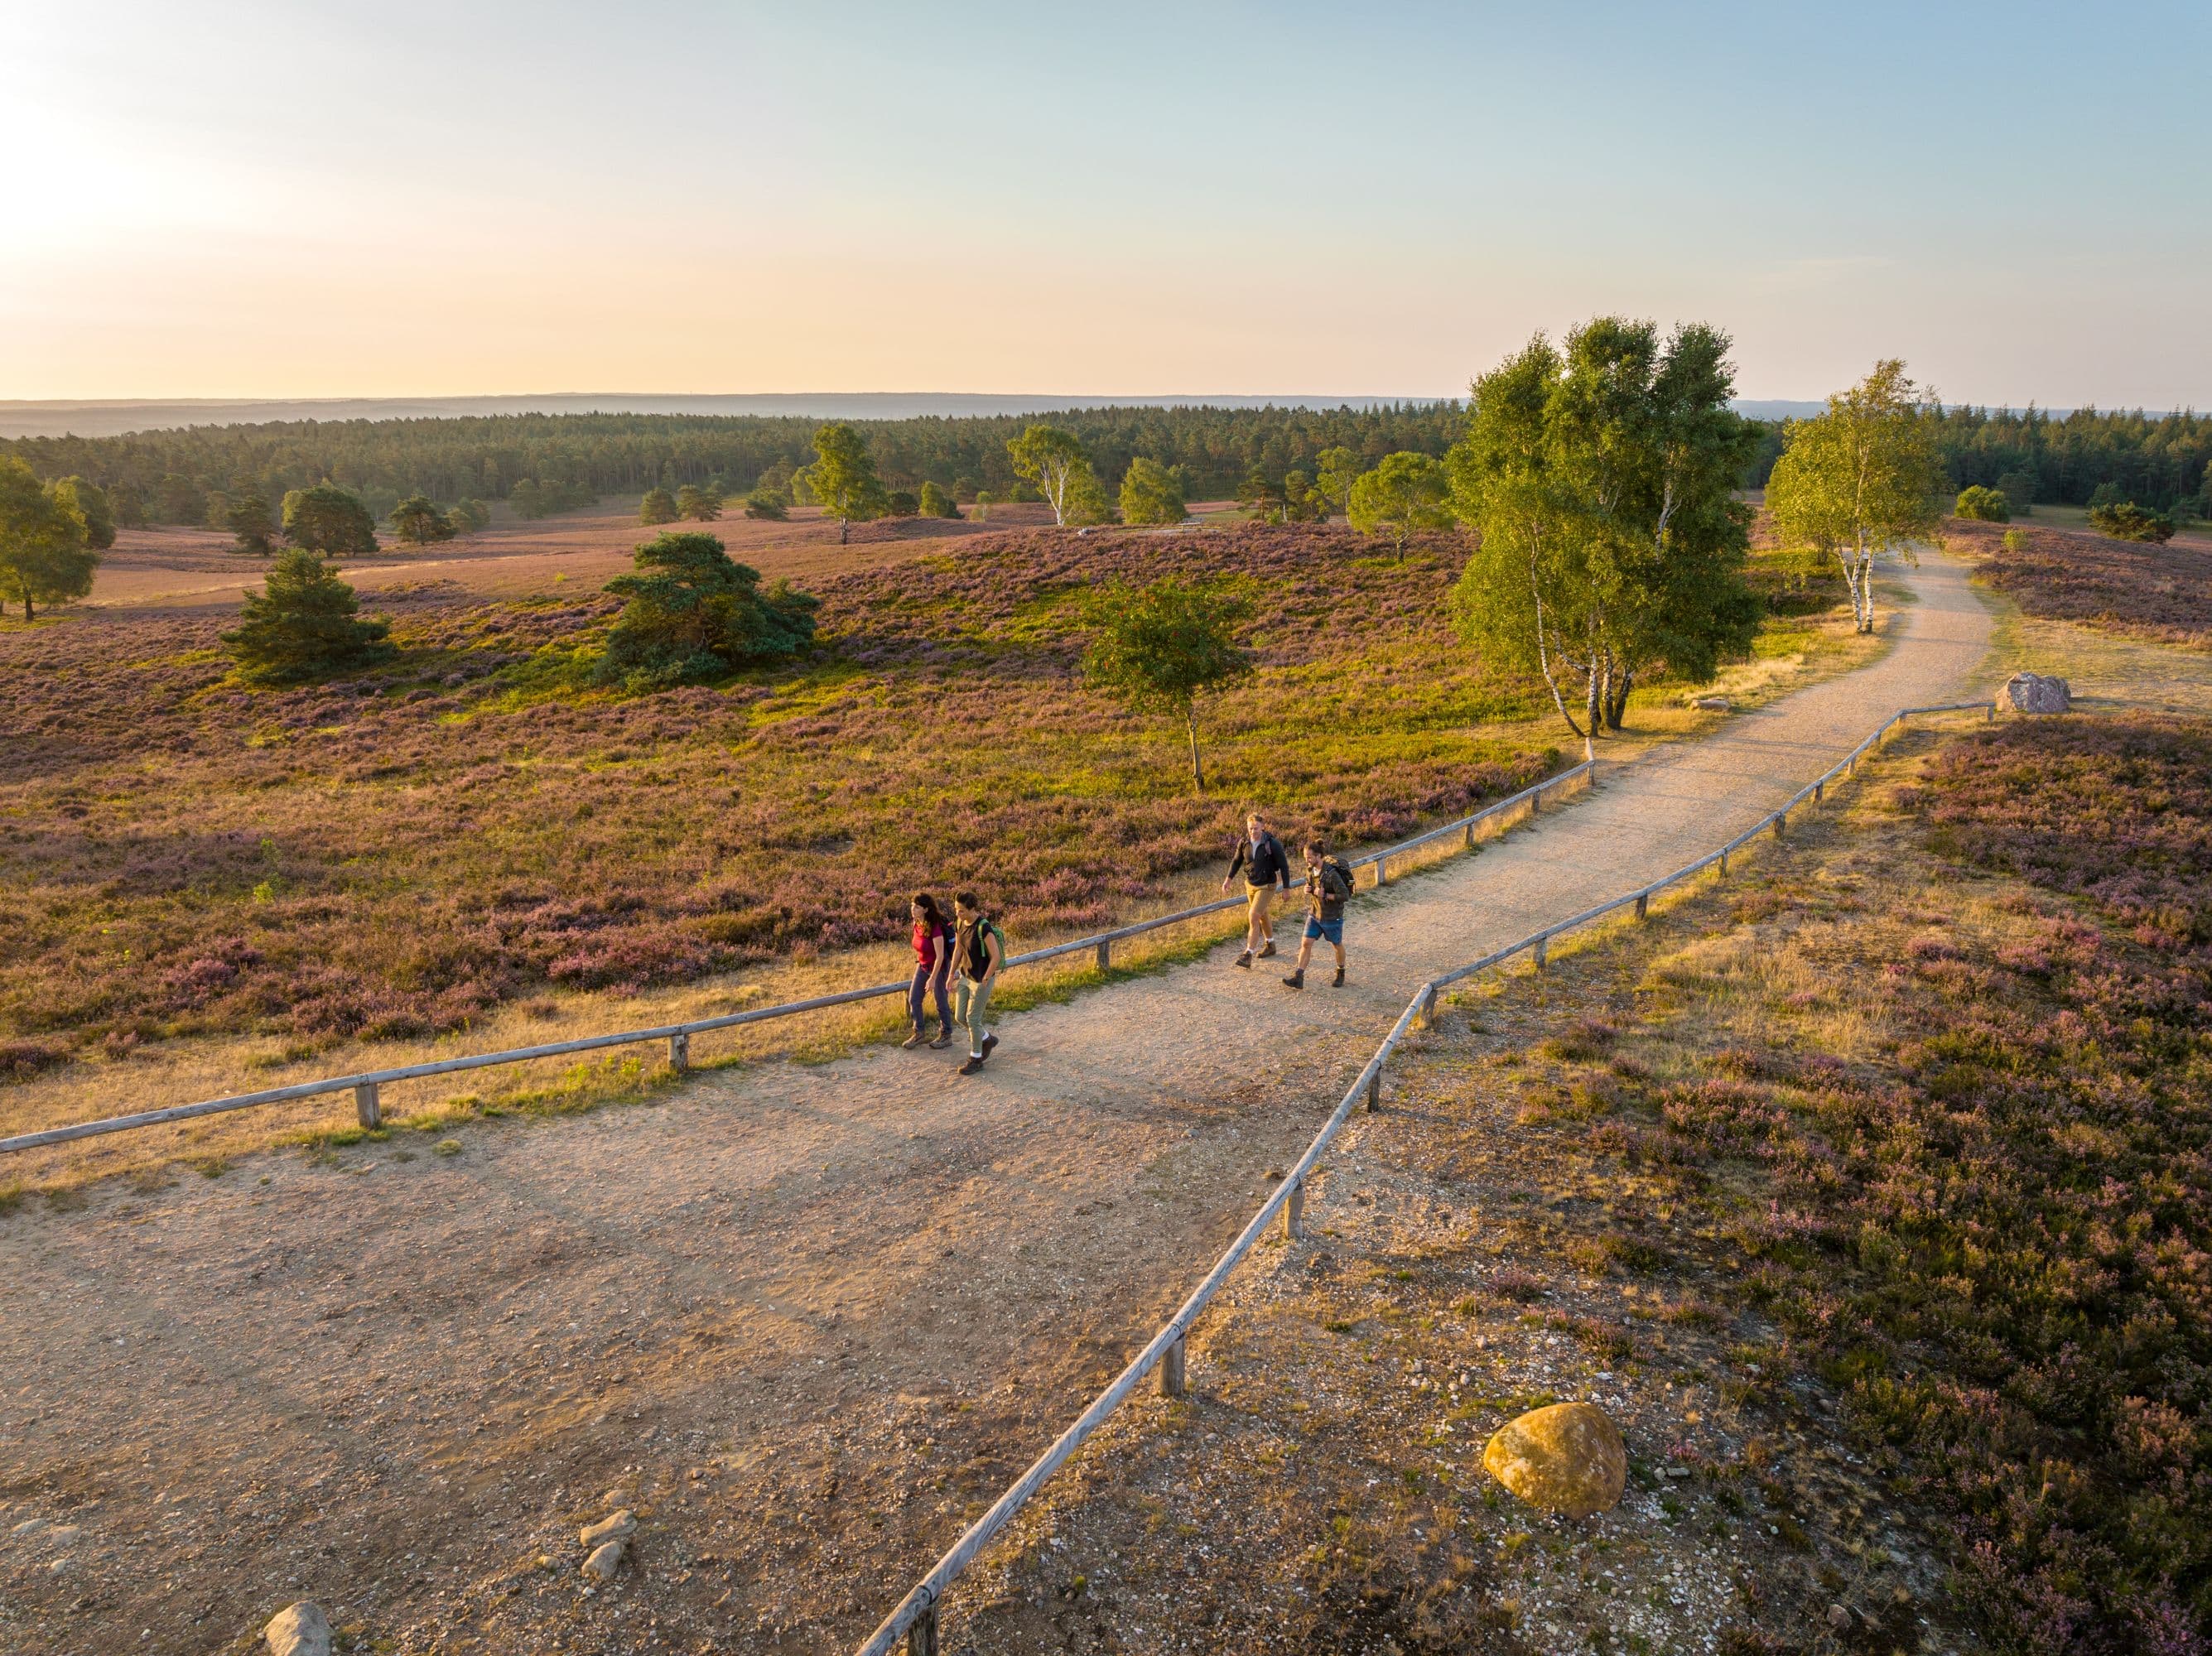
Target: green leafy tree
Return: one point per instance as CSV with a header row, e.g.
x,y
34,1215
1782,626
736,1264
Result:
x,y
843,478
699,505
1982,505
43,557
1087,500
2019,490
129,503
1405,493
1261,495
90,505
469,515
766,503
1151,494
937,502
416,521
304,624
1335,471
1861,479
1303,502
1601,480
1159,647
326,519
2127,521
1052,461
252,526
901,503
659,506
693,615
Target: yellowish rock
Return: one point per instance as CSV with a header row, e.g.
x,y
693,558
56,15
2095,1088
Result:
x,y
1566,1459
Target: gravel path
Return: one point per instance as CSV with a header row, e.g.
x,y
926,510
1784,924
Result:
x,y
806,1319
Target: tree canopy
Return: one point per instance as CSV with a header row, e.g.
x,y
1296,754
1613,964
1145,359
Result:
x,y
44,556
935,502
1051,460
87,502
1157,647
1601,478
304,624
1982,505
252,526
843,478
328,518
1151,494
1861,479
659,506
693,615
698,504
2124,520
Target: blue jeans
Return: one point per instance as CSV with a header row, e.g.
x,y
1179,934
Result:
x,y
926,978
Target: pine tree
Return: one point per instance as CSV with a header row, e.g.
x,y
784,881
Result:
x,y
304,625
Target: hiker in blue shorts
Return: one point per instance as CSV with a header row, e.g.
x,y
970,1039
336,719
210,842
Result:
x,y
1329,888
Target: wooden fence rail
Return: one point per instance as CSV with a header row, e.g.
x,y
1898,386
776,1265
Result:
x,y
915,1617
366,1086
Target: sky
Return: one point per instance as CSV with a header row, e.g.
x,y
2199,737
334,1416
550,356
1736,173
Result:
x,y
394,199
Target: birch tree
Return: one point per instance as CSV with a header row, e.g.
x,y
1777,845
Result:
x,y
1601,479
1861,481
1052,461
1160,646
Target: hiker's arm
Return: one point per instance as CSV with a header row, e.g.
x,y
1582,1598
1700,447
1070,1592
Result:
x,y
1236,862
994,956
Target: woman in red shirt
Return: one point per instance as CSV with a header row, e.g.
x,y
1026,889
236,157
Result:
x,y
932,961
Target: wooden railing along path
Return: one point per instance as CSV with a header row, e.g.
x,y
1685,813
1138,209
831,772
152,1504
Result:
x,y
915,1617
366,1086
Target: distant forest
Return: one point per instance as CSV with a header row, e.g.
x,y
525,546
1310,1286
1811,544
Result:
x,y
2158,460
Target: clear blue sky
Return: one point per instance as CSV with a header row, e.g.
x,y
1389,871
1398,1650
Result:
x,y
305,198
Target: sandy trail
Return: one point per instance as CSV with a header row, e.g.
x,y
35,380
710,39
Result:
x,y
809,1319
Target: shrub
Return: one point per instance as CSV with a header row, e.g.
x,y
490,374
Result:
x,y
936,503
901,503
303,625
252,525
659,506
417,522
2019,490
1982,505
694,615
2126,521
699,505
469,515
768,503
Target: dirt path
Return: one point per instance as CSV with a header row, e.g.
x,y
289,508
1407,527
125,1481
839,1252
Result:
x,y
806,1319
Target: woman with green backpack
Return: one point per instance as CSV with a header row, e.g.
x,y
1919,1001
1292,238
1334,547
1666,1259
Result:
x,y
979,950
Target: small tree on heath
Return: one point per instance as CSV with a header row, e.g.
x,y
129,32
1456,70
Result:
x,y
1404,493
1151,494
699,505
42,556
693,613
304,624
327,519
416,521
1052,460
1335,471
659,506
766,503
1979,504
1159,648
843,478
252,526
88,502
936,502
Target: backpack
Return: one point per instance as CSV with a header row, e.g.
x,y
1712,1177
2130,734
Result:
x,y
1334,873
975,968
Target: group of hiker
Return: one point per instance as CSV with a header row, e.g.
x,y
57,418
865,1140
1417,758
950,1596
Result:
x,y
958,956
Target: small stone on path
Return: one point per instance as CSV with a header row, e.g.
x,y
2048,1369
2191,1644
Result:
x,y
299,1629
604,1562
1566,1459
615,1527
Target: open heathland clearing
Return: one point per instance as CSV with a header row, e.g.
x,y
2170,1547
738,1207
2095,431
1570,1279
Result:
x,y
1870,1190
227,886
2131,589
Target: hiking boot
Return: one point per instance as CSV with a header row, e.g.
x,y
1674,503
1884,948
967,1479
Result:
x,y
1267,951
941,1042
972,1064
1296,980
1245,960
1339,983
990,1042
913,1040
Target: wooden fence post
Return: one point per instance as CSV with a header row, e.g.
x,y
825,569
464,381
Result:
x,y
1382,872
367,1108
1375,1090
1174,1377
679,1051
922,1636
1724,862
1643,905
1105,954
1542,950
1779,819
1818,788
1294,1212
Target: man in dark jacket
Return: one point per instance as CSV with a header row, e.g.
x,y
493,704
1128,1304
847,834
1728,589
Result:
x,y
1266,869
1329,888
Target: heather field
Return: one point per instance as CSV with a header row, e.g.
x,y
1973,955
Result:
x,y
396,854
2132,589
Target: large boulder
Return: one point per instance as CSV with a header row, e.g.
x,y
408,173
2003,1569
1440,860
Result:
x,y
2038,693
299,1629
1566,1459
